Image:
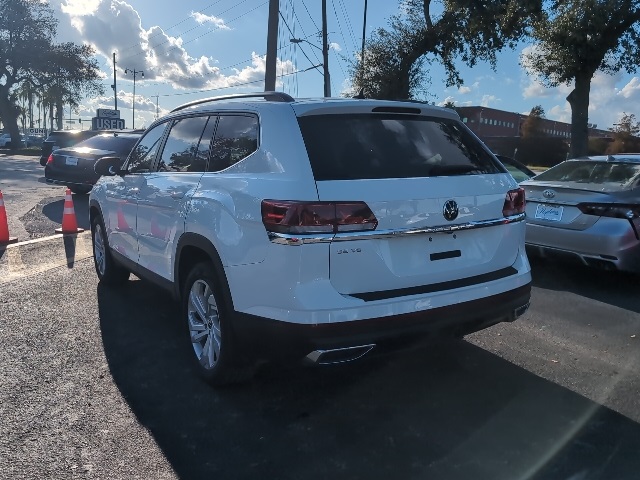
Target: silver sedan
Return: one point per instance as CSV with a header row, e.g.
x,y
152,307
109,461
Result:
x,y
587,209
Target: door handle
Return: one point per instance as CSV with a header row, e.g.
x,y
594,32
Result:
x,y
177,195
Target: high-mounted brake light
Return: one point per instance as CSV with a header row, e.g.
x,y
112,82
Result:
x,y
284,216
514,202
50,159
628,211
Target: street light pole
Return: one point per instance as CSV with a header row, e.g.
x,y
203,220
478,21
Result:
x,y
135,73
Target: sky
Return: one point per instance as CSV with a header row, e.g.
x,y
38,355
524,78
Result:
x,y
192,49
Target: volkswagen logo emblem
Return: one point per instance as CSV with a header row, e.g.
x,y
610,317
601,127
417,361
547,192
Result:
x,y
450,210
549,194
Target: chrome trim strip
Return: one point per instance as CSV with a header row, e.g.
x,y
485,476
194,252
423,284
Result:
x,y
359,352
549,201
289,239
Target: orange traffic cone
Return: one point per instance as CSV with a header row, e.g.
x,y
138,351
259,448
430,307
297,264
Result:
x,y
69,223
4,225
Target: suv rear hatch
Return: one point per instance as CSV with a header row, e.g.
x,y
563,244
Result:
x,y
409,169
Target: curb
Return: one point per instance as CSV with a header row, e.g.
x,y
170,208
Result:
x,y
41,254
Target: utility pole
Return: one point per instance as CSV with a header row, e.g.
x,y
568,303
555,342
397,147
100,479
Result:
x,y
364,36
325,51
272,46
115,91
135,73
156,97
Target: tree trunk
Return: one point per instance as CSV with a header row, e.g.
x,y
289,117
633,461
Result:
x,y
9,114
59,114
579,101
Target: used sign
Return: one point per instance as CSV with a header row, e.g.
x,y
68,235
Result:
x,y
98,123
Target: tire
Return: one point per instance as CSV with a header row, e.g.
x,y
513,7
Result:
x,y
208,325
79,190
108,271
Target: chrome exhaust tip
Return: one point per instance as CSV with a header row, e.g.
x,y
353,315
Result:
x,y
338,355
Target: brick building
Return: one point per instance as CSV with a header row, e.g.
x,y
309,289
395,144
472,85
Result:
x,y
489,122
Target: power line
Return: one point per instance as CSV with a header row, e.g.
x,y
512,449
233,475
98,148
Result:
x,y
172,26
345,13
293,36
308,13
340,27
198,26
236,85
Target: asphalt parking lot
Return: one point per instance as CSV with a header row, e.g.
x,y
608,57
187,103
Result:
x,y
96,383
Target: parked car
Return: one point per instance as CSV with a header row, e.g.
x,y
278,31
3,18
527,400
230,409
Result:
x,y
74,166
587,209
518,171
63,139
5,139
313,229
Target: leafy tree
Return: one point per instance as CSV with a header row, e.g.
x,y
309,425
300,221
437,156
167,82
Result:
x,y
576,39
625,135
532,125
28,55
465,30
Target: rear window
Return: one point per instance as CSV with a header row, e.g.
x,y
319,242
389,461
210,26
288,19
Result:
x,y
608,176
372,146
68,139
120,145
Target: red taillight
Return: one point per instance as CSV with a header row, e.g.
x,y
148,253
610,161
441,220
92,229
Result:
x,y
50,159
317,217
514,202
628,211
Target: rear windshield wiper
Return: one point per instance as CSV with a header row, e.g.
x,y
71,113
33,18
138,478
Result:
x,y
442,170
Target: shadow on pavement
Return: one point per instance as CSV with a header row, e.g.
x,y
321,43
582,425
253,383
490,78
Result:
x,y
53,210
615,288
452,411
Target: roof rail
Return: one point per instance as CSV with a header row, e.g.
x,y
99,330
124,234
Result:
x,y
271,96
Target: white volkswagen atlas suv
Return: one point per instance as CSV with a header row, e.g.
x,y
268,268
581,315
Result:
x,y
318,229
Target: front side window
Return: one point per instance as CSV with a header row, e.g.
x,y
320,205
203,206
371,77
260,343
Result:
x,y
181,151
144,153
236,138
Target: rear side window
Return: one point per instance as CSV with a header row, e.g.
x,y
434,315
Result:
x,y
181,152
371,146
236,138
120,145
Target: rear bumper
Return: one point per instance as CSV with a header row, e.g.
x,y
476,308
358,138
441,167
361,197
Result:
x,y
610,243
63,176
262,338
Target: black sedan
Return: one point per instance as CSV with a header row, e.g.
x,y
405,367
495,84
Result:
x,y
73,166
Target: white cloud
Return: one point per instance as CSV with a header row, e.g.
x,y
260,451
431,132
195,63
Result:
x,y
80,7
335,46
202,18
114,25
464,90
488,99
449,99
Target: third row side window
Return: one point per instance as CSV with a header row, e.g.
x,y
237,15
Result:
x,y
236,138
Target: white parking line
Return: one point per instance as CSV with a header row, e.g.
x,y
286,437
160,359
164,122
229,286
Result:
x,y
36,256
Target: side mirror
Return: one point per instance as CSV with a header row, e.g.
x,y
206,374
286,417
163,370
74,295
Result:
x,y
109,166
